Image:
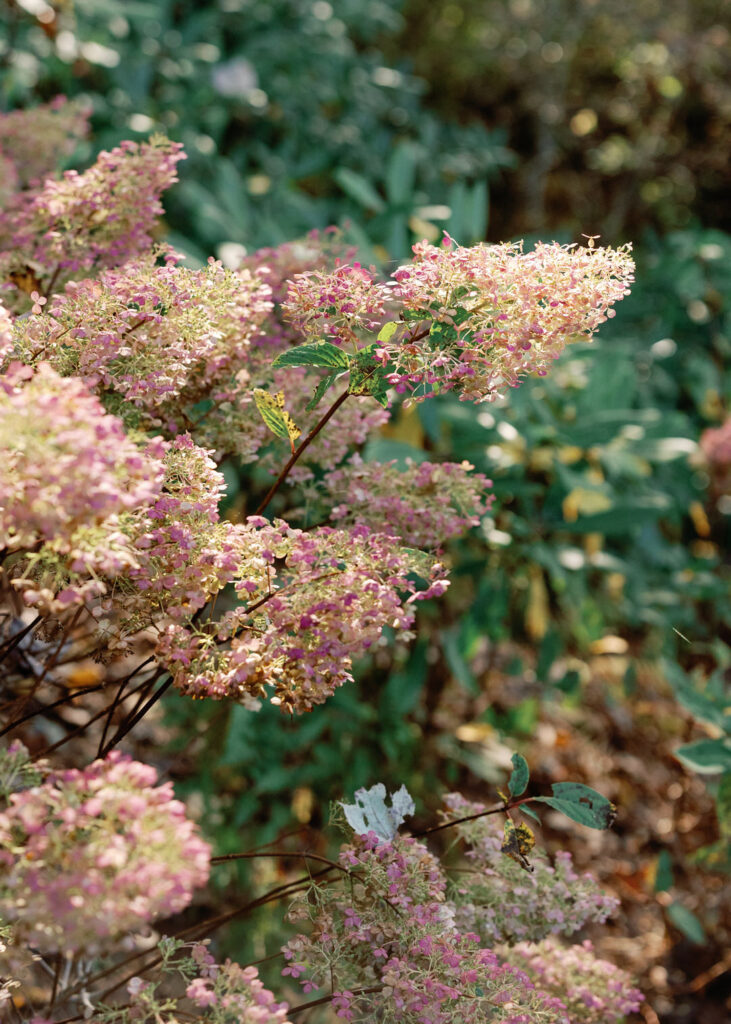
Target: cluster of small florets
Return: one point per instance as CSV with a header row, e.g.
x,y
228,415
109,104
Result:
x,y
386,941
88,855
339,305
95,219
67,463
502,902
34,142
301,625
480,319
155,339
69,473
221,993
424,504
593,990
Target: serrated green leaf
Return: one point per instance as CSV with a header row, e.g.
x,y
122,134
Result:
x,y
581,803
367,376
317,353
320,390
518,781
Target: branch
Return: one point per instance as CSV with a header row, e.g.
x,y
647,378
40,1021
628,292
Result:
x,y
298,451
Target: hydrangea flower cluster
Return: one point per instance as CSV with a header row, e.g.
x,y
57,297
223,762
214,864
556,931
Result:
x,y
34,142
226,992
593,990
301,625
494,313
503,902
88,855
156,340
716,446
337,305
68,463
385,940
425,504
92,220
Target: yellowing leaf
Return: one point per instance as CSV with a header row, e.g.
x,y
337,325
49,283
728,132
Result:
x,y
537,612
275,415
585,502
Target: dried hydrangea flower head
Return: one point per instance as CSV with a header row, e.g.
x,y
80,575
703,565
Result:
x,y
89,855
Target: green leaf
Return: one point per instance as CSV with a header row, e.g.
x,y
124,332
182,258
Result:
x,y
387,331
518,781
322,387
318,353
706,756
275,415
687,923
359,188
664,872
581,803
524,809
367,376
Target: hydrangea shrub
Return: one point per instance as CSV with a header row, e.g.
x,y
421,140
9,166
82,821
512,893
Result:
x,y
128,380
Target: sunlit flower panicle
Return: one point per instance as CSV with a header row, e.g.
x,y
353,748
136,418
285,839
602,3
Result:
x,y
387,923
36,141
337,305
184,552
89,855
320,251
156,339
236,993
67,463
593,990
94,219
301,625
482,318
424,504
503,902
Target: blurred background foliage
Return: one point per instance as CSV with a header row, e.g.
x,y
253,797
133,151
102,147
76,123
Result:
x,y
588,623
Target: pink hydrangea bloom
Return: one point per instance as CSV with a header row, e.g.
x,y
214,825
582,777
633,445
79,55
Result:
x,y
425,504
37,140
301,625
156,339
67,462
481,318
337,305
594,991
388,922
95,219
89,855
716,444
503,902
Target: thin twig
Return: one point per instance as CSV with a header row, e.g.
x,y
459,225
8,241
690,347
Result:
x,y
48,707
128,726
298,451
